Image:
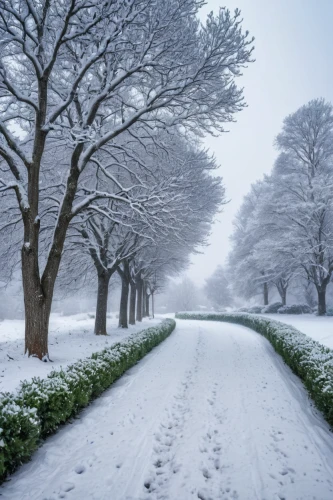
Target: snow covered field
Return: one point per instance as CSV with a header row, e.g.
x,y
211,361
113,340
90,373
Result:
x,y
71,338
212,413
318,328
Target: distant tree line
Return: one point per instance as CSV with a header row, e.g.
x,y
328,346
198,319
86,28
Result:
x,y
283,232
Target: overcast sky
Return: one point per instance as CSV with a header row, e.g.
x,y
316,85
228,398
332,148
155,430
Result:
x,y
294,64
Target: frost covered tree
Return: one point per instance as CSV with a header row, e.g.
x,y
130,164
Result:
x,y
181,197
287,231
185,296
184,223
247,274
109,244
303,222
128,291
303,177
269,249
154,266
217,289
78,74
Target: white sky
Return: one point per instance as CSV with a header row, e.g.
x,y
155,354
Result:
x,y
294,64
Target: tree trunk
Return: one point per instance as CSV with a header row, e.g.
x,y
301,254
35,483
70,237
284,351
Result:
x,y
123,319
37,303
132,304
152,305
265,294
321,301
147,304
102,304
139,287
144,300
37,315
38,290
284,296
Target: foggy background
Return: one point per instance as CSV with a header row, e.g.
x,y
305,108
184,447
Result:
x,y
294,64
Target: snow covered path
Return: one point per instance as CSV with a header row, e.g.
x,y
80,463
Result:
x,y
212,413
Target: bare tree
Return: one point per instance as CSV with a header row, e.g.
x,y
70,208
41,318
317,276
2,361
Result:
x,y
181,197
184,296
304,174
286,231
217,289
247,274
80,73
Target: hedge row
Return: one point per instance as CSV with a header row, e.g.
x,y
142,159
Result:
x,y
276,307
38,407
309,359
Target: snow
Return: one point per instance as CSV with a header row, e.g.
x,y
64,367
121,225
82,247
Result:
x,y
70,338
212,413
319,328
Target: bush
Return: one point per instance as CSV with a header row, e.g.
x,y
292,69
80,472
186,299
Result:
x,y
251,310
295,309
19,433
40,406
272,308
51,399
255,309
306,309
309,359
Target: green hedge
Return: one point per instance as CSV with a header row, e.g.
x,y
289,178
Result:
x,y
309,359
38,407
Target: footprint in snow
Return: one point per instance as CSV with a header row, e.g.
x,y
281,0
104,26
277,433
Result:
x,y
206,474
80,469
68,487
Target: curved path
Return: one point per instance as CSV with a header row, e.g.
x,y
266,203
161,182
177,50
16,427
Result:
x,y
212,413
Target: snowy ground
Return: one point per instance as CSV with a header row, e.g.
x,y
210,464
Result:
x,y
318,328
212,414
71,338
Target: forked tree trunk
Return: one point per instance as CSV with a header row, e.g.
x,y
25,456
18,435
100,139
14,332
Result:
x,y
102,304
37,296
321,300
284,296
265,294
38,290
132,304
139,287
147,304
37,314
123,320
